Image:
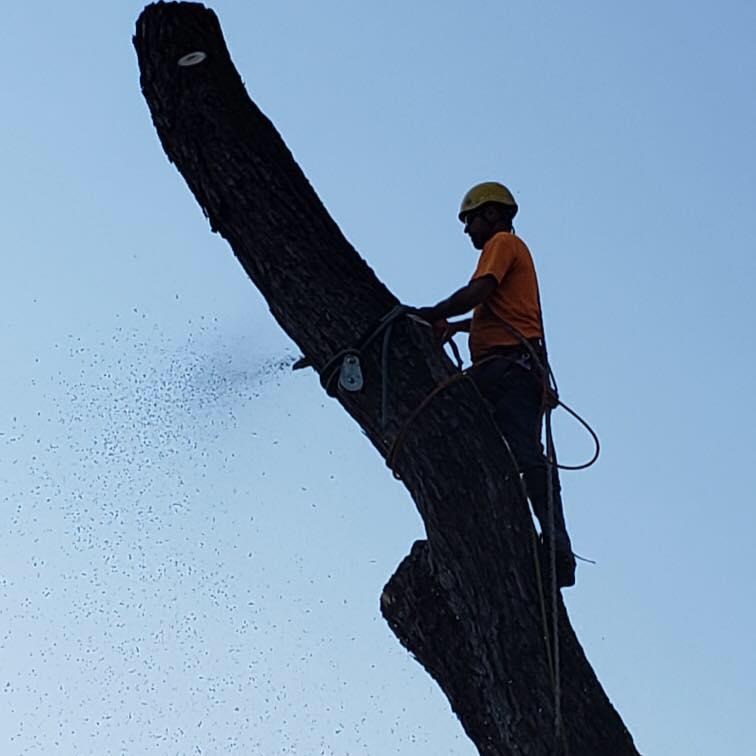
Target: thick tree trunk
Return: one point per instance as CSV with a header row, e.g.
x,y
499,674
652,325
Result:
x,y
466,601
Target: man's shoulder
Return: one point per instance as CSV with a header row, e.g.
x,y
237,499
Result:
x,y
506,242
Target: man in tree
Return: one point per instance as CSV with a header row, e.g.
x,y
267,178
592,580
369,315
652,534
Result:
x,y
507,349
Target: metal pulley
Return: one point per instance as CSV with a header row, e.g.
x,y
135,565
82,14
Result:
x,y
350,374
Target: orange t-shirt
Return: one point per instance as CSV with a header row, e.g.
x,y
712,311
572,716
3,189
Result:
x,y
514,301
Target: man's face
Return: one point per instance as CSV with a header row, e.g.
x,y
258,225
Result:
x,y
478,226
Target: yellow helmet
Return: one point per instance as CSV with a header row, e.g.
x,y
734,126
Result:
x,y
488,191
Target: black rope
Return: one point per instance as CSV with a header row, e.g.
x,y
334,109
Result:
x,y
332,367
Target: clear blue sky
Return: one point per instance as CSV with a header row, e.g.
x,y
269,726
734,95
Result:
x,y
194,540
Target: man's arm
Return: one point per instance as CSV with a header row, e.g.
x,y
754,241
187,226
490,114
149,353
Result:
x,y
463,300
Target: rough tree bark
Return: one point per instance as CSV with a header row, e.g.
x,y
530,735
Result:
x,y
465,601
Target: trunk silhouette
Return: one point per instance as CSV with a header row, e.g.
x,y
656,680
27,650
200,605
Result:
x,y
465,601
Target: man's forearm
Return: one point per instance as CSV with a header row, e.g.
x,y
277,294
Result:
x,y
457,304
463,300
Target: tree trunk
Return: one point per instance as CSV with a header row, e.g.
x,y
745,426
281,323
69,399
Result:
x,y
466,601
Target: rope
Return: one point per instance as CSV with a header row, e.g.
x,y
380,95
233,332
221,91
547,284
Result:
x,y
332,366
385,373
594,436
550,660
551,455
455,351
551,401
400,436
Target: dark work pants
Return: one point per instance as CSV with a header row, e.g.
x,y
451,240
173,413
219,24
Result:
x,y
515,395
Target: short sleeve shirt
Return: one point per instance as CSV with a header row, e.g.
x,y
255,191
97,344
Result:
x,y
515,300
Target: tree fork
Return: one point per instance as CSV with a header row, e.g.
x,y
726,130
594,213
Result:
x,y
465,602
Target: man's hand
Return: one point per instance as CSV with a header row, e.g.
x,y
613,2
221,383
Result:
x,y
428,314
440,329
440,325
